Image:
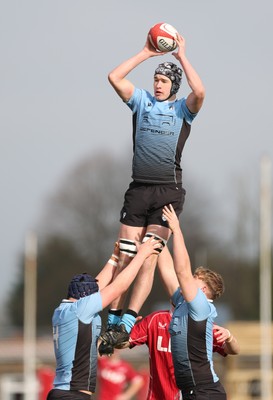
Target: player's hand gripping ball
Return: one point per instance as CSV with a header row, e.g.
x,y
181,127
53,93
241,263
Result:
x,y
162,36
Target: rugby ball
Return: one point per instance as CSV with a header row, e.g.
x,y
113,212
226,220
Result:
x,y
162,37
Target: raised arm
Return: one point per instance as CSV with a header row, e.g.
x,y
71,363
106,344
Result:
x,y
181,258
106,275
166,271
124,279
117,77
196,97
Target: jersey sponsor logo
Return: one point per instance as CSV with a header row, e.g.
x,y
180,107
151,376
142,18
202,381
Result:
x,y
157,131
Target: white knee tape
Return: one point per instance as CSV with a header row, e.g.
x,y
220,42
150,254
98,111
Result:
x,y
128,247
163,242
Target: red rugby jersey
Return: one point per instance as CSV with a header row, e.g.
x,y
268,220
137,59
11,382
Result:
x,y
153,331
113,377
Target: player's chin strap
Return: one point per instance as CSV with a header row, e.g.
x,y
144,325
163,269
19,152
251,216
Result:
x,y
170,95
163,242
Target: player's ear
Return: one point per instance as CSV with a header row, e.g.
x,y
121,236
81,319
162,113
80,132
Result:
x,y
204,289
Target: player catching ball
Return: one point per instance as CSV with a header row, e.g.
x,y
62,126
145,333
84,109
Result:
x,y
161,126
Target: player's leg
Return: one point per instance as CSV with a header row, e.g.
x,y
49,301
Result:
x,y
116,334
133,219
143,207
144,281
128,235
157,196
133,227
118,329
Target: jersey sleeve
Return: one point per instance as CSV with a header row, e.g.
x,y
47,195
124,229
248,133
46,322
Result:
x,y
135,99
88,306
131,373
189,116
218,347
139,333
138,99
177,297
200,308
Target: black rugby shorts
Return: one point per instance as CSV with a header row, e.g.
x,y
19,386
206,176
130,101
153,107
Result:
x,y
143,203
58,394
212,391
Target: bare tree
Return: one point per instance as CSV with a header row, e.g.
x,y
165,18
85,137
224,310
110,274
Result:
x,y
86,207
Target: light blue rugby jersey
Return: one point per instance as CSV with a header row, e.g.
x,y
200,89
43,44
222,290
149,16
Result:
x,y
160,130
76,328
191,331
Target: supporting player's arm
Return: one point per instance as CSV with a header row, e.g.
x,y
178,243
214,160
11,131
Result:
x,y
123,280
166,271
106,275
181,257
